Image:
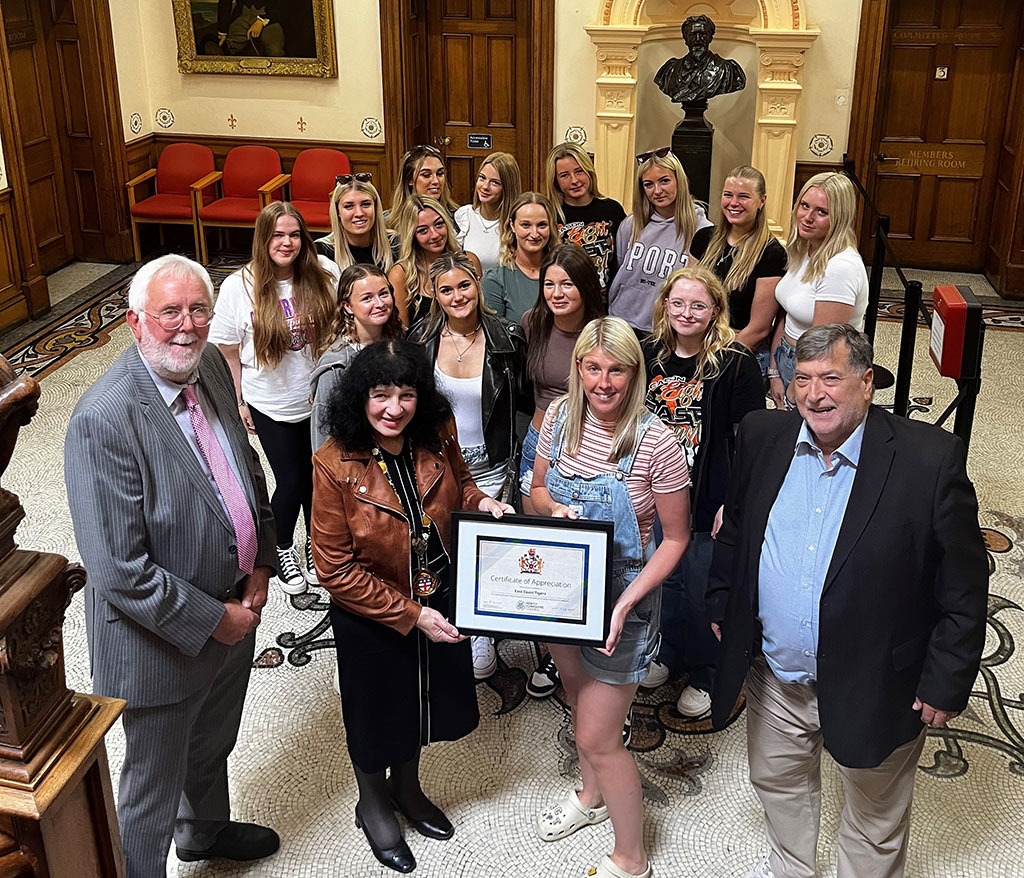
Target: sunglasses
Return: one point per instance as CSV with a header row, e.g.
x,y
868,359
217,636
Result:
x,y
345,179
659,153
424,149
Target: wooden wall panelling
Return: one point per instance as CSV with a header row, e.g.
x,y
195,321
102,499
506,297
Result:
x,y
31,281
806,170
13,306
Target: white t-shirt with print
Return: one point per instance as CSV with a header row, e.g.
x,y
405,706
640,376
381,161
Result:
x,y
281,393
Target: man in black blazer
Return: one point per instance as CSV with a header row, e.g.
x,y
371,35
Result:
x,y
849,588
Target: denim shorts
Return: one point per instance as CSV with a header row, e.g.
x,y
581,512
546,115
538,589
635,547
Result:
x,y
636,648
527,460
785,361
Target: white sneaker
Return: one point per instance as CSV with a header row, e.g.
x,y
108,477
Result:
x,y
761,870
693,702
485,658
289,575
657,674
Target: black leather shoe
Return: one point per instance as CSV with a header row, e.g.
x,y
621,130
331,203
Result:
x,y
399,857
434,825
236,841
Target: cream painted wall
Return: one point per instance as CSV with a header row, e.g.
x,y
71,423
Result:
x,y
263,106
828,75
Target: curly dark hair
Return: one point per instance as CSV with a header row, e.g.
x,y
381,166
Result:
x,y
388,363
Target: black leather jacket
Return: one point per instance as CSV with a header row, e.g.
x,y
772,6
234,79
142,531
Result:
x,y
503,390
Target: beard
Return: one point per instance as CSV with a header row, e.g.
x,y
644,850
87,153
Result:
x,y
168,359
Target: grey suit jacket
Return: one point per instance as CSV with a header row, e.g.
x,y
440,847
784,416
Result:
x,y
156,542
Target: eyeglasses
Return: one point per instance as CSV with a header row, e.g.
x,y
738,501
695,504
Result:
x,y
424,149
174,318
345,179
697,309
659,153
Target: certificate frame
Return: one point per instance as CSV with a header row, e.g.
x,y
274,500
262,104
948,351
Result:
x,y
522,603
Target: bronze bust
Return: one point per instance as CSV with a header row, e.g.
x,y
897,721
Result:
x,y
700,74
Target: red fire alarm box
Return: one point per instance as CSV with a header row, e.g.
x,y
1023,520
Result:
x,y
956,327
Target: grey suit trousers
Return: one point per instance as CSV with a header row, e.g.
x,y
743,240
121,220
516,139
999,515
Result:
x,y
175,767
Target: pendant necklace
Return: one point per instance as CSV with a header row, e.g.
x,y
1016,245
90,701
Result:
x,y
424,580
451,334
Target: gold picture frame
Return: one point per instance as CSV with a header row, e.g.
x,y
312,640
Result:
x,y
261,37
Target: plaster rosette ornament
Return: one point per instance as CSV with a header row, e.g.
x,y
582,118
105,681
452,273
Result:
x,y
371,127
576,134
164,117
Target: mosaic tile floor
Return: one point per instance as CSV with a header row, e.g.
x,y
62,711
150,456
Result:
x,y
291,769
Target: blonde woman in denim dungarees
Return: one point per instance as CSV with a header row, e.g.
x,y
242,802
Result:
x,y
602,455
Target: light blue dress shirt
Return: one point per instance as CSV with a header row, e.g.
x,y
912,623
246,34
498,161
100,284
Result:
x,y
798,543
170,392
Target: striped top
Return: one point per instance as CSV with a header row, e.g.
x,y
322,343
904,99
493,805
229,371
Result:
x,y
659,466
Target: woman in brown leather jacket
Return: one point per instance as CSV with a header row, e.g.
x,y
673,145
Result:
x,y
384,488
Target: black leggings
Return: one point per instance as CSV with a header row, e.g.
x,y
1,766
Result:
x,y
287,449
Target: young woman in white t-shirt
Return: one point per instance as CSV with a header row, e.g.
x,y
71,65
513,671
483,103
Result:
x,y
273,319
480,224
825,281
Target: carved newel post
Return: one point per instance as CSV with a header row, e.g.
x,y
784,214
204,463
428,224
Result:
x,y
57,815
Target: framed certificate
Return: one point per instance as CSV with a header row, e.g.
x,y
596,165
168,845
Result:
x,y
531,577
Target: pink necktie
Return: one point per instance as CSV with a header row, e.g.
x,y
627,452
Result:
x,y
230,491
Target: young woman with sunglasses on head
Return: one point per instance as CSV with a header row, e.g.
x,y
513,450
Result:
x,y
654,240
366,313
603,456
746,258
358,231
274,319
480,223
421,172
585,216
825,281
426,232
510,288
700,383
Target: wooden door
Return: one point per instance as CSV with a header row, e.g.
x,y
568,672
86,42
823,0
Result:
x,y
40,133
1004,259
940,127
479,84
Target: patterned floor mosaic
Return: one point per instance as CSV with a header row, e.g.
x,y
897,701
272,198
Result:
x,y
291,770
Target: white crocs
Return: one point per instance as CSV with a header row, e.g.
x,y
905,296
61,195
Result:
x,y
607,869
558,821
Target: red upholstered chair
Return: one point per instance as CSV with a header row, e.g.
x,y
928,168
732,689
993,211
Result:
x,y
247,170
312,182
180,166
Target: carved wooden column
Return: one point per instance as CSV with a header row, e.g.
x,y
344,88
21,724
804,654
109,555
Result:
x,y
616,108
56,805
779,73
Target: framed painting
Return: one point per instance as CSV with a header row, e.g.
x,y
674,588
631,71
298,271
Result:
x,y
269,37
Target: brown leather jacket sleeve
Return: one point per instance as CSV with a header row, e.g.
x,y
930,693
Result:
x,y
349,584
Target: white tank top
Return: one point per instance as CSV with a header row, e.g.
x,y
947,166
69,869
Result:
x,y
465,395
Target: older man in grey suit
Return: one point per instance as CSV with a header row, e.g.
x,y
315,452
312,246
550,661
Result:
x,y
174,526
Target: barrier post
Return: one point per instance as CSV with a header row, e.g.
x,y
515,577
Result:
x,y
968,388
908,339
875,282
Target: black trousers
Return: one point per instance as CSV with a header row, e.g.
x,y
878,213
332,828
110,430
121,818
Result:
x,y
287,448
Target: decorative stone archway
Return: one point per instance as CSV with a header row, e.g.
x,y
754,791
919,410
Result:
x,y
781,35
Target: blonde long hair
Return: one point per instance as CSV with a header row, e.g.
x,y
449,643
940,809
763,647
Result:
x,y
750,247
685,209
412,257
567,151
312,292
719,334
613,336
511,183
381,235
405,188
842,211
509,243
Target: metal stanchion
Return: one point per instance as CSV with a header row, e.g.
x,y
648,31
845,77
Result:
x,y
908,337
875,281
